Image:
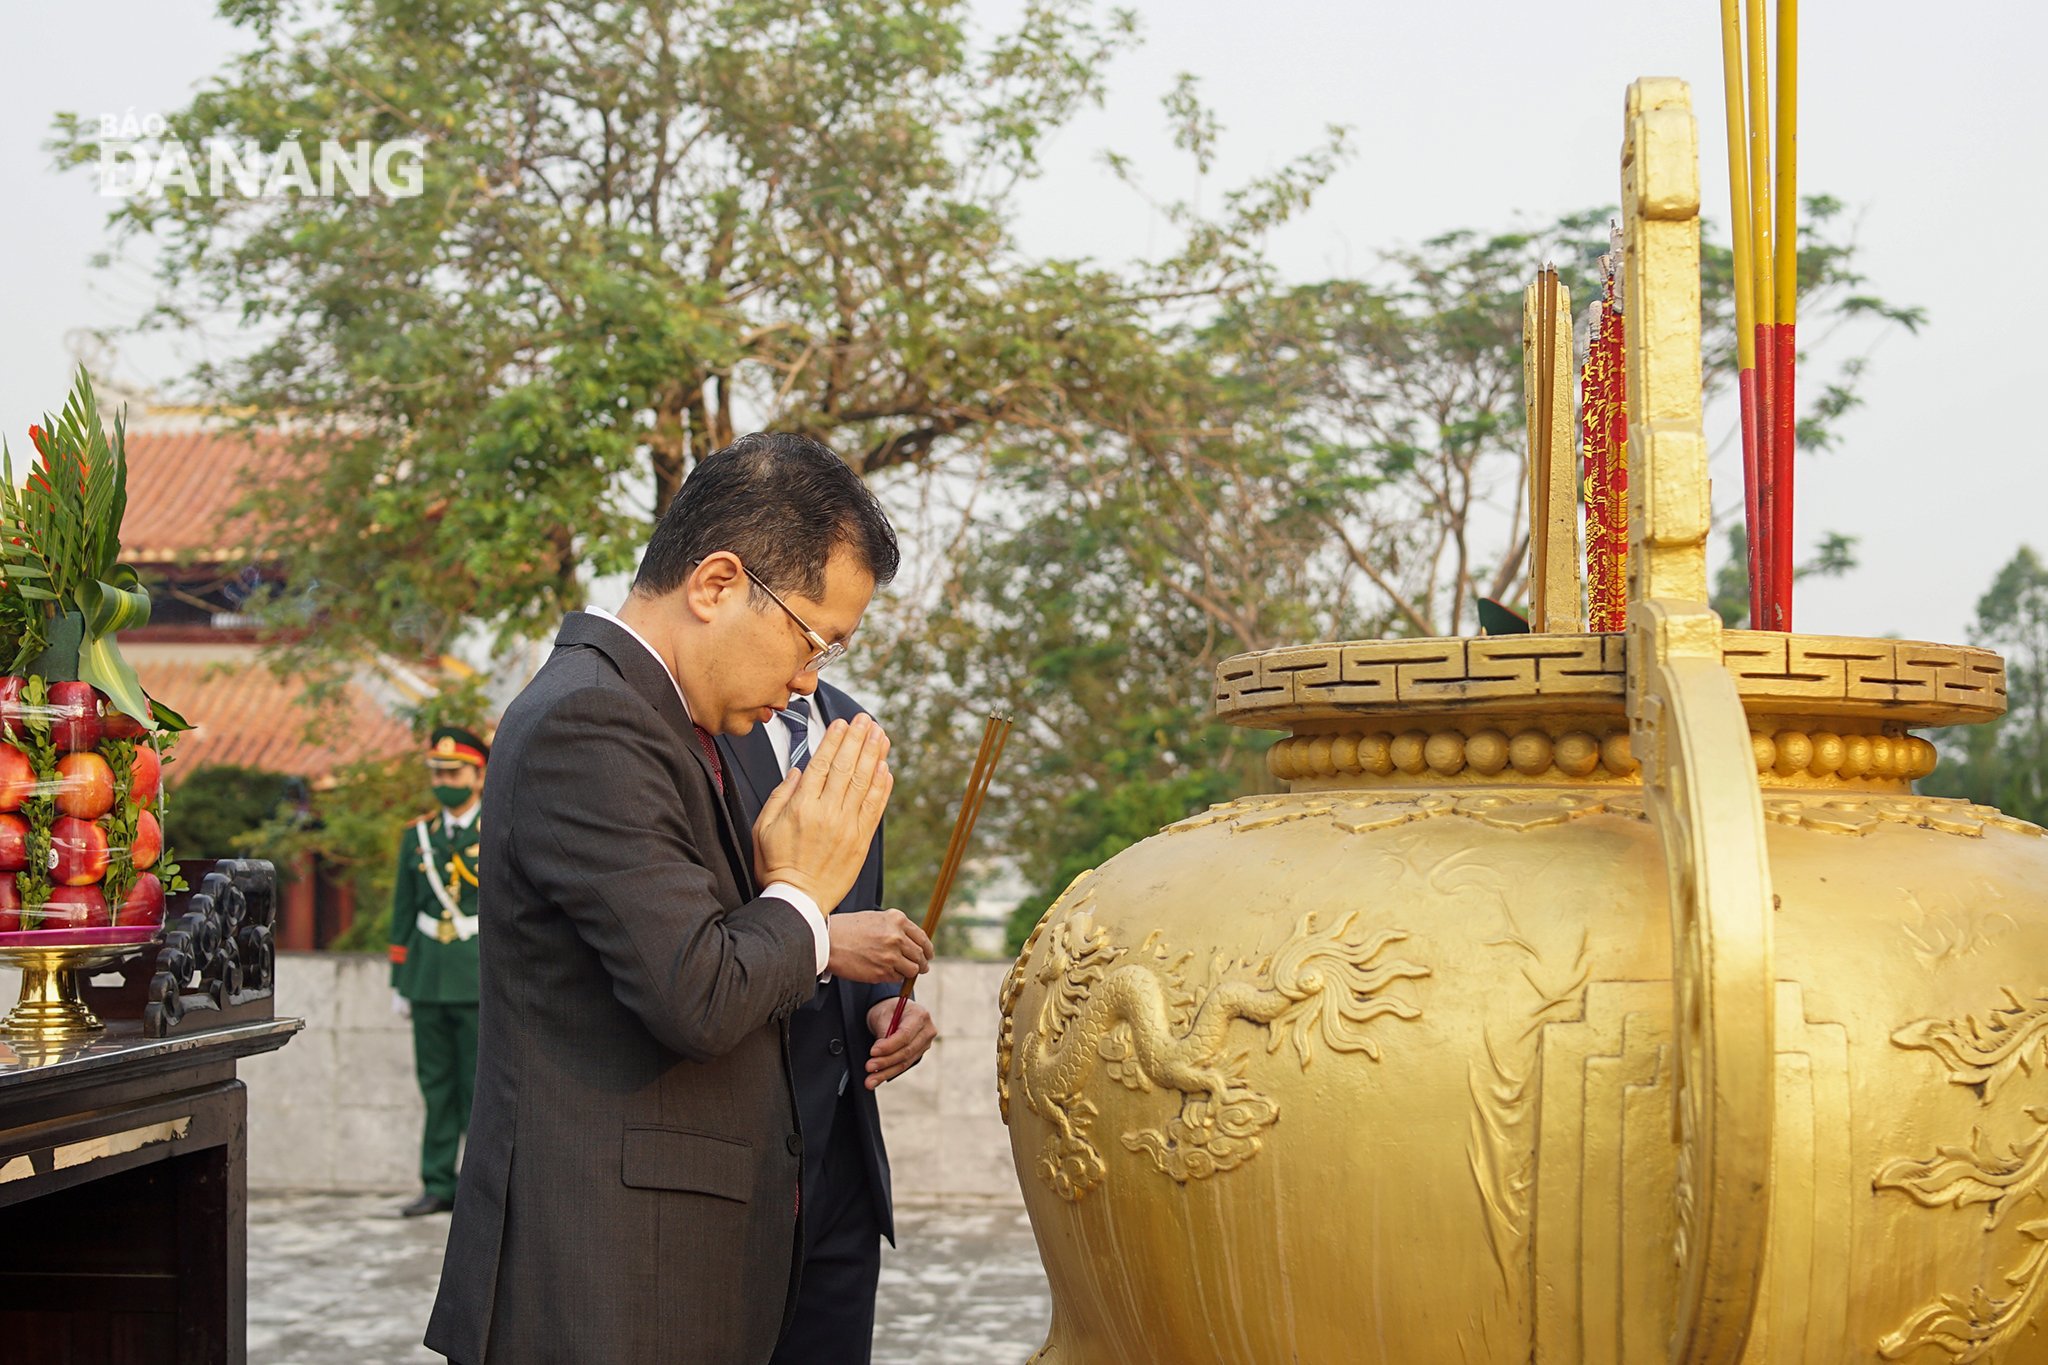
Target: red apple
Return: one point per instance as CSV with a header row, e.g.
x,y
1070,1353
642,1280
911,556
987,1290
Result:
x,y
80,849
10,705
149,841
17,777
13,845
76,722
145,776
10,905
76,907
120,725
85,786
145,902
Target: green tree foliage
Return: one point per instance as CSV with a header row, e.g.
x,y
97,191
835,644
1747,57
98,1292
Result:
x,y
354,826
643,225
351,826
641,220
2005,763
1095,600
220,811
1107,674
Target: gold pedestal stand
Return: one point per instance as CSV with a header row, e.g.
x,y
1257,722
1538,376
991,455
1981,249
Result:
x,y
49,1006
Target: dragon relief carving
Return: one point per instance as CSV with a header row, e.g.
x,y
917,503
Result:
x,y
1983,1055
1137,1014
1945,935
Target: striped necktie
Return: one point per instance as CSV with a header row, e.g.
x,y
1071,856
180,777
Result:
x,y
797,716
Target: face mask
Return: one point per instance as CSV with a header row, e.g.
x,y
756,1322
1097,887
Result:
x,y
452,797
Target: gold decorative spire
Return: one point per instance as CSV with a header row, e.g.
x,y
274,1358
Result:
x,y
1553,485
1689,733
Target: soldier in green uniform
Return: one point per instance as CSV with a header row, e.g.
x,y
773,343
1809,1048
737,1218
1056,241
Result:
x,y
434,954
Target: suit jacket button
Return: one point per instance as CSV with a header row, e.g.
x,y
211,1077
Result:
x,y
796,1144
835,1047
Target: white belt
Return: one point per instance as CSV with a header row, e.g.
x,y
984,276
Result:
x,y
465,925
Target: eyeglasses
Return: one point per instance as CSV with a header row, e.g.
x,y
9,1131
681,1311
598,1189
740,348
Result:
x,y
827,655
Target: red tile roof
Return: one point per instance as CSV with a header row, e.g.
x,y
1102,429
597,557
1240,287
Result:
x,y
181,482
244,714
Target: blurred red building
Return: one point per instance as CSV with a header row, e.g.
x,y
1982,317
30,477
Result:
x,y
199,652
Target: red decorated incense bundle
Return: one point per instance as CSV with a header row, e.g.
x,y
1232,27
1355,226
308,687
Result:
x,y
1765,613
1740,225
1785,279
1603,435
1763,197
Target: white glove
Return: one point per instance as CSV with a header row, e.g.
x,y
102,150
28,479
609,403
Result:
x,y
401,1006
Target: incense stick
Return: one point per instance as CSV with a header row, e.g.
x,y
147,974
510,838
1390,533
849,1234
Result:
x,y
1762,265
994,735
1740,226
1546,395
1784,436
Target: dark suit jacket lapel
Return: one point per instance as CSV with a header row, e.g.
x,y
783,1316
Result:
x,y
834,705
647,676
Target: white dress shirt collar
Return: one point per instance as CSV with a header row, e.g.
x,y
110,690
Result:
x,y
779,736
614,618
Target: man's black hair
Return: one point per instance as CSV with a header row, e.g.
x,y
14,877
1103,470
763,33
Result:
x,y
781,502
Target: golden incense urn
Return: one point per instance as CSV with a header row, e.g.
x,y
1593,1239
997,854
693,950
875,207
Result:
x,y
1585,1000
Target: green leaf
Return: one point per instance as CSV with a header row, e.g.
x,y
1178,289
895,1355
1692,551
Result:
x,y
100,663
109,609
167,719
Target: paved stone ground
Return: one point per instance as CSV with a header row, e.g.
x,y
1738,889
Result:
x,y
342,1280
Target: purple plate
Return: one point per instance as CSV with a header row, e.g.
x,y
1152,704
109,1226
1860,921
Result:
x,y
100,936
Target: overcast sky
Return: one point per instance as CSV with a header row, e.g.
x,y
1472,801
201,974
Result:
x,y
1466,113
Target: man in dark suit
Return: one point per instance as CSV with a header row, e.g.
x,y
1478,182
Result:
x,y
631,1187
840,1056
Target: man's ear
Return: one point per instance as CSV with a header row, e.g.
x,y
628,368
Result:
x,y
716,575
